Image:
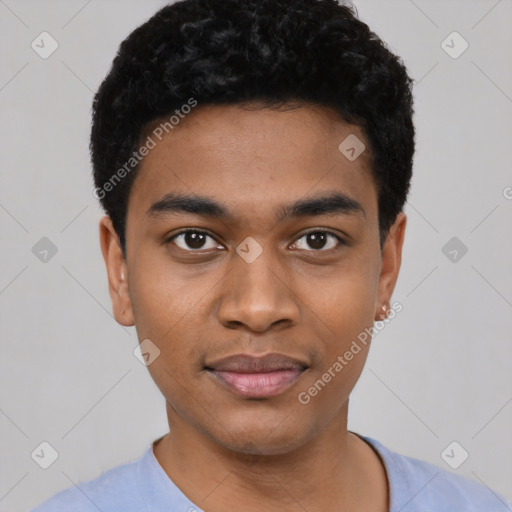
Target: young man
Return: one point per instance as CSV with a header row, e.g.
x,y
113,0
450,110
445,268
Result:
x,y
254,157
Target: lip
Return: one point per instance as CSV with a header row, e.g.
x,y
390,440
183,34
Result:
x,y
257,377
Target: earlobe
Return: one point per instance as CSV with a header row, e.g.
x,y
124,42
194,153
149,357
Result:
x,y
383,312
390,264
116,272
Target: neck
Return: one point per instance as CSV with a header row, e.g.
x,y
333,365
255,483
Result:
x,y
334,471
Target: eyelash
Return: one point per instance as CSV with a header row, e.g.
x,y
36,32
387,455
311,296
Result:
x,y
203,232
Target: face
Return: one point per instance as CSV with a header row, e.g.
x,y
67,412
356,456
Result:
x,y
282,258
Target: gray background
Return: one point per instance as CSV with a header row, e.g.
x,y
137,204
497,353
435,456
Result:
x,y
439,372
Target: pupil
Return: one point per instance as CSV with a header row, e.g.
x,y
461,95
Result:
x,y
194,239
316,240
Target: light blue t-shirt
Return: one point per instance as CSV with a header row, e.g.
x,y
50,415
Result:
x,y
143,486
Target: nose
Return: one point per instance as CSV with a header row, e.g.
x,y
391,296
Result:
x,y
258,296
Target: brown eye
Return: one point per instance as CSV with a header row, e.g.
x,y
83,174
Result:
x,y
318,241
193,240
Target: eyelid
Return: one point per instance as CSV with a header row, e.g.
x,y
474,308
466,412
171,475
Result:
x,y
194,230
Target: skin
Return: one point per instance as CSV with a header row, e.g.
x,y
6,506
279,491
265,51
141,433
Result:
x,y
226,452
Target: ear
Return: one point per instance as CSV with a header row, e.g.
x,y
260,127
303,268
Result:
x,y
117,272
390,264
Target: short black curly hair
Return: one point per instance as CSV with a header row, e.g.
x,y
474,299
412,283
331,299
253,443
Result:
x,y
237,51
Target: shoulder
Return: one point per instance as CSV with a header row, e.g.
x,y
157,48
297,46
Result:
x,y
418,486
112,491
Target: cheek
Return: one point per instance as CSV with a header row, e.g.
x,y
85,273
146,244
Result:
x,y
343,316
170,310
325,393
164,299
345,336
344,305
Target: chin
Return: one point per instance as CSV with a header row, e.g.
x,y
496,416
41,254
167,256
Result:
x,y
273,437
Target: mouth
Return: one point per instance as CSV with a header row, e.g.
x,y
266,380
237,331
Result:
x,y
257,377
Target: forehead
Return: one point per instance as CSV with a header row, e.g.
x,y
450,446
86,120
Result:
x,y
255,158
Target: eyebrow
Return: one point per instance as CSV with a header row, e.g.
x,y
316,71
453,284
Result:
x,y
334,203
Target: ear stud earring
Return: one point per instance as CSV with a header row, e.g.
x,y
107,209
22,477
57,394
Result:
x,y
385,312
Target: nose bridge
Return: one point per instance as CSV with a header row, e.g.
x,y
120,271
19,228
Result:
x,y
256,293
